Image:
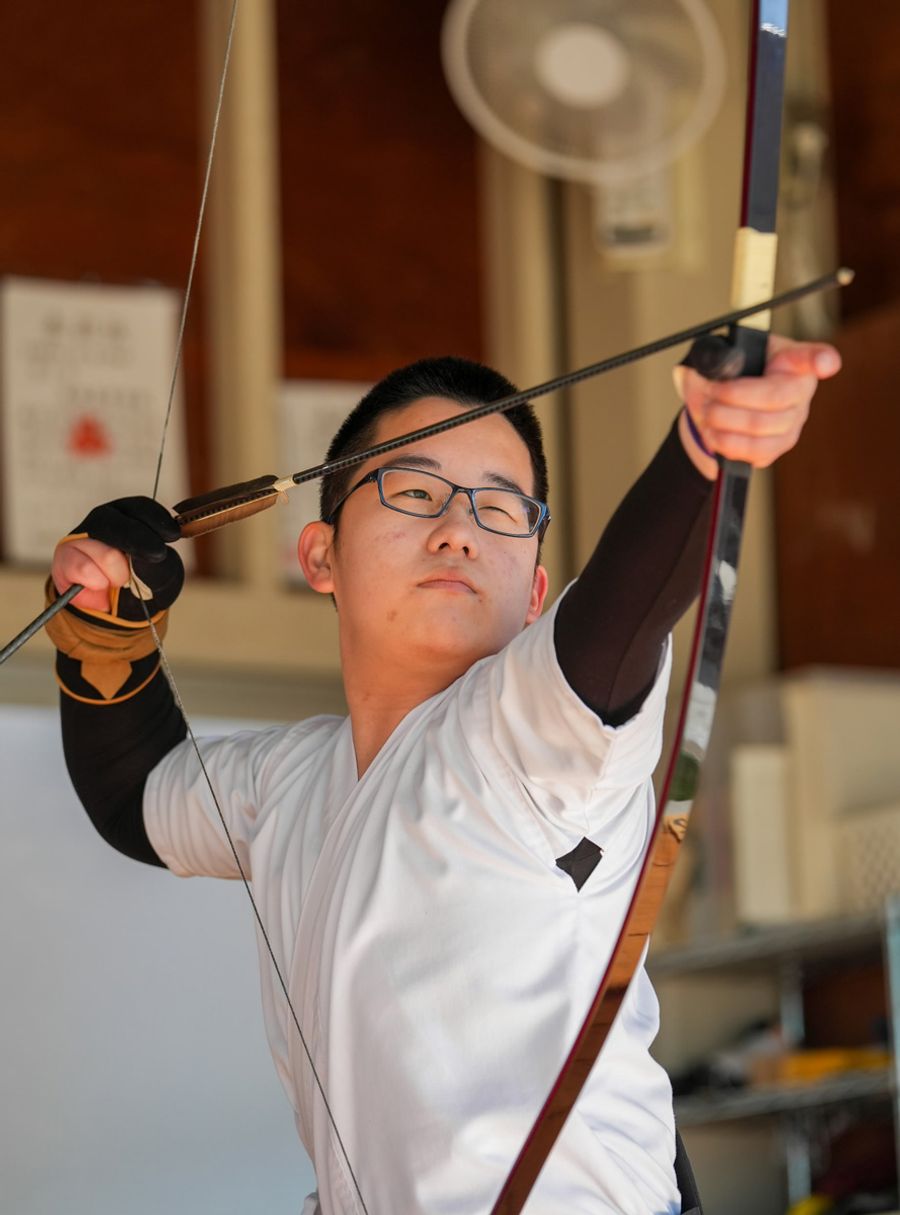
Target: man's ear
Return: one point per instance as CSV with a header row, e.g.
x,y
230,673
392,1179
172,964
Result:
x,y
539,587
315,549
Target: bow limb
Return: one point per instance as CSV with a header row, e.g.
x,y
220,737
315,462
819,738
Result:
x,y
753,276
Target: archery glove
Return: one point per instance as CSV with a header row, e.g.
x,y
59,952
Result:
x,y
107,657
142,529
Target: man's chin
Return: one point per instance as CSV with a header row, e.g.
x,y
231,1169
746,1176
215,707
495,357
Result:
x,y
451,644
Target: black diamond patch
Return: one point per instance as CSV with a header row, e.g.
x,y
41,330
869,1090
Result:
x,y
581,862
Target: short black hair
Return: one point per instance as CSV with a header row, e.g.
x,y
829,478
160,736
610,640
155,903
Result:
x,y
456,379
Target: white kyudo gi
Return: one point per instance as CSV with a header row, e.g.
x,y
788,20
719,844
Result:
x,y
439,961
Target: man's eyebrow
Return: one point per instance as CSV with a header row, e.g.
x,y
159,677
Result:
x,y
505,483
411,458
428,462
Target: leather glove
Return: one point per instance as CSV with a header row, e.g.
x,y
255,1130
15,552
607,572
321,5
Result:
x,y
142,529
105,657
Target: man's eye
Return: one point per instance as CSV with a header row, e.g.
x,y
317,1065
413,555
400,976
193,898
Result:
x,y
499,504
415,492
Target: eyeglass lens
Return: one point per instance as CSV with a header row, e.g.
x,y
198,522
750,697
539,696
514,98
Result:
x,y
420,493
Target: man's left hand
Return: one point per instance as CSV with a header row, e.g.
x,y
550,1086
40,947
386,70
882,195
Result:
x,y
754,418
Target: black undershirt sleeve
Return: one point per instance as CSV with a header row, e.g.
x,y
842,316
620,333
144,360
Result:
x,y
110,751
642,577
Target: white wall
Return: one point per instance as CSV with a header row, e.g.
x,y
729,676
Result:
x,y
134,1072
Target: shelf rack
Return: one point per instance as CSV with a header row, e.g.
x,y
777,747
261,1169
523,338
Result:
x,y
792,951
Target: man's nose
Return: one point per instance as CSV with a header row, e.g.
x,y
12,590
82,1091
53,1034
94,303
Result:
x,y
456,527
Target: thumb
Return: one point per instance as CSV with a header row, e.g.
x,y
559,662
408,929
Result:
x,y
803,358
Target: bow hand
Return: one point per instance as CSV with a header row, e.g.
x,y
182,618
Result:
x,y
114,538
753,419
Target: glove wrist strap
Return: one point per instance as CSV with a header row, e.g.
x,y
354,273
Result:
x,y
105,648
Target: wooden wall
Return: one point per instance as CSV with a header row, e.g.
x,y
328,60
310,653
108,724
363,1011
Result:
x,y
865,120
838,510
100,153
838,495
379,204
102,150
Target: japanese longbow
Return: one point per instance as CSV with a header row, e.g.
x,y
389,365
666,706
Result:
x,y
754,274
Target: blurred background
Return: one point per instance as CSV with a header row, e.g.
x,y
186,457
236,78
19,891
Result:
x,y
373,202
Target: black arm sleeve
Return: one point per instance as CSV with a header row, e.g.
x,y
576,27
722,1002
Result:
x,y
642,577
110,751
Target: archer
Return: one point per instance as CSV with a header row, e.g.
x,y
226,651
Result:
x,y
413,860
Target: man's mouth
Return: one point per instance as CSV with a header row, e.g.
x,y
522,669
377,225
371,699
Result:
x,y
448,581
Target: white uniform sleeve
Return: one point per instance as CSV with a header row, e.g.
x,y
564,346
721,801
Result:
x,y
180,814
578,771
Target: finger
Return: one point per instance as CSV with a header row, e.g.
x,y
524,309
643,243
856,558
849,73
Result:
x,y
94,564
819,359
759,451
773,391
718,416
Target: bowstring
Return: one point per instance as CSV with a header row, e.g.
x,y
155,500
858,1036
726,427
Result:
x,y
164,661
179,343
137,590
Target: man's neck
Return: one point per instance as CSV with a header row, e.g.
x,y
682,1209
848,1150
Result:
x,y
378,700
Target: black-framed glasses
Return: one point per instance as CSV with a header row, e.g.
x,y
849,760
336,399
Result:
x,y
425,495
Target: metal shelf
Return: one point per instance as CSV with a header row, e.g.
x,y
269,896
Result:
x,y
789,952
759,948
772,1099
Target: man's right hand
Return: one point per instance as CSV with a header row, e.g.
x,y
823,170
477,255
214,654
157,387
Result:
x,y
96,554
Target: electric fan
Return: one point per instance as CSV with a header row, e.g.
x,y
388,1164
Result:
x,y
606,92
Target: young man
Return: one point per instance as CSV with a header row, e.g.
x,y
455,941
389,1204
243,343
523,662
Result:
x,y
410,861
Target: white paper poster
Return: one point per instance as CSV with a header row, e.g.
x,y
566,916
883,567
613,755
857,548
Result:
x,y
86,370
311,411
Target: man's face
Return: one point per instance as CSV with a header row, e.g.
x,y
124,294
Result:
x,y
441,589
